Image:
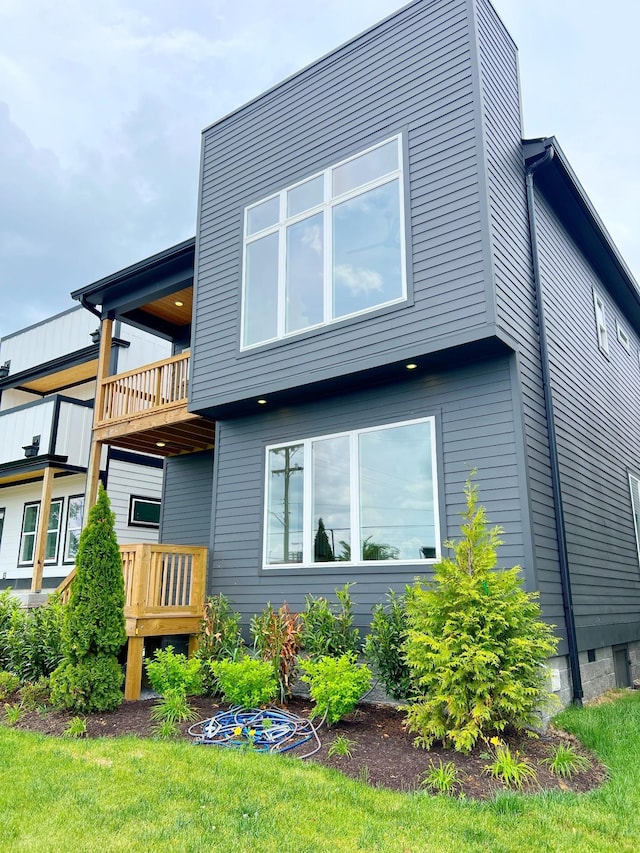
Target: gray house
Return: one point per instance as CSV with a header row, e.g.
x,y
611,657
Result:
x,y
388,288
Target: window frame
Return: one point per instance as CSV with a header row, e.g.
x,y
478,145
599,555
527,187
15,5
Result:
x,y
148,525
635,511
599,308
52,561
3,515
326,206
623,336
308,528
66,559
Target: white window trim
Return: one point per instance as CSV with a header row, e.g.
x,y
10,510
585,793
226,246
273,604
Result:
x,y
635,480
66,559
150,525
328,203
601,321
623,336
52,561
308,532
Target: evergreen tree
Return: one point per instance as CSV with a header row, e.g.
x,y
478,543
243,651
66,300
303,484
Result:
x,y
322,551
476,644
89,677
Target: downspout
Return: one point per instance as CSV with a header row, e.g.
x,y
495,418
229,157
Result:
x,y
565,575
85,304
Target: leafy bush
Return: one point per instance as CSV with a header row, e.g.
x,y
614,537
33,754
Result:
x,y
327,629
335,685
277,636
247,682
35,694
476,644
89,677
9,683
384,646
34,640
171,672
8,606
219,638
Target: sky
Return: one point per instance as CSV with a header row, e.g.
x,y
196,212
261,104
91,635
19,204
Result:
x,y
102,107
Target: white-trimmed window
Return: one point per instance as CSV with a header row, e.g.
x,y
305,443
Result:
x,y
2,512
601,322
144,512
354,497
634,485
329,247
75,511
623,336
30,530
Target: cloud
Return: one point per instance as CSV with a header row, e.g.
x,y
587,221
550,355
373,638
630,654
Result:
x,y
358,279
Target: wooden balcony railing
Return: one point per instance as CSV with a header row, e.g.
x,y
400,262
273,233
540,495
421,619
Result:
x,y
155,387
161,582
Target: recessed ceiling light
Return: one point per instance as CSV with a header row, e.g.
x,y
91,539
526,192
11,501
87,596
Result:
x,y
161,443
411,366
178,303
262,401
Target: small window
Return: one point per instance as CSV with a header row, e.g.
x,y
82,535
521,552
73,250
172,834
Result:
x,y
623,337
634,484
353,497
601,322
30,531
144,512
75,511
2,511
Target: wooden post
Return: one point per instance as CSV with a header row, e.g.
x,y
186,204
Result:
x,y
41,534
133,679
93,469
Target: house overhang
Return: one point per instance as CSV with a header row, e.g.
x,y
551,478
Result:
x,y
155,295
26,470
561,188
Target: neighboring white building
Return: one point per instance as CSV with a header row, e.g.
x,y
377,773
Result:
x,y
47,388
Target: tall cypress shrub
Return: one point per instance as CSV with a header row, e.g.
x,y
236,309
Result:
x,y
89,677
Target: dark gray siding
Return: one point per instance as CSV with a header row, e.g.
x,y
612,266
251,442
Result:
x,y
597,410
475,426
187,500
412,73
516,312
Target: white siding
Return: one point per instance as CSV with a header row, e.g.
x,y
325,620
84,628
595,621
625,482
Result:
x,y
56,337
144,349
74,433
18,428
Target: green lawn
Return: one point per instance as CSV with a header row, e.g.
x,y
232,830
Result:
x,y
128,794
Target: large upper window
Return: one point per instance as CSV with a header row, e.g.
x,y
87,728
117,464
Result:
x,y
353,497
329,247
30,529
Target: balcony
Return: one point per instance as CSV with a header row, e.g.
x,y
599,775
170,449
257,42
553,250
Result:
x,y
146,410
164,595
62,427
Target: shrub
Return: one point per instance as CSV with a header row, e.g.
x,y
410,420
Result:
x,y
89,677
247,682
8,606
384,646
35,695
277,636
9,683
476,643
34,640
335,685
171,672
327,629
219,638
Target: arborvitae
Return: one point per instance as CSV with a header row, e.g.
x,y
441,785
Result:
x,y
476,643
89,677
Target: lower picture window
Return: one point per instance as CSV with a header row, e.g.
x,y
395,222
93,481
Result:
x,y
30,530
365,495
144,512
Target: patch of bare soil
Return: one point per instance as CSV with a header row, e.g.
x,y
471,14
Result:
x,y
382,750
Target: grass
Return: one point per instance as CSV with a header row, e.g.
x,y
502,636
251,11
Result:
x,y
135,795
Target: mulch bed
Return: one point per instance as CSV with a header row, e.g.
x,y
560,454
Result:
x,y
382,750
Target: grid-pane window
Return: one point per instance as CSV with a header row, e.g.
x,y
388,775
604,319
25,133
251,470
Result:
x,y
601,322
75,510
30,531
365,495
327,248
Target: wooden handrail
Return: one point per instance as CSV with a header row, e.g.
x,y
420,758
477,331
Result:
x,y
153,387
